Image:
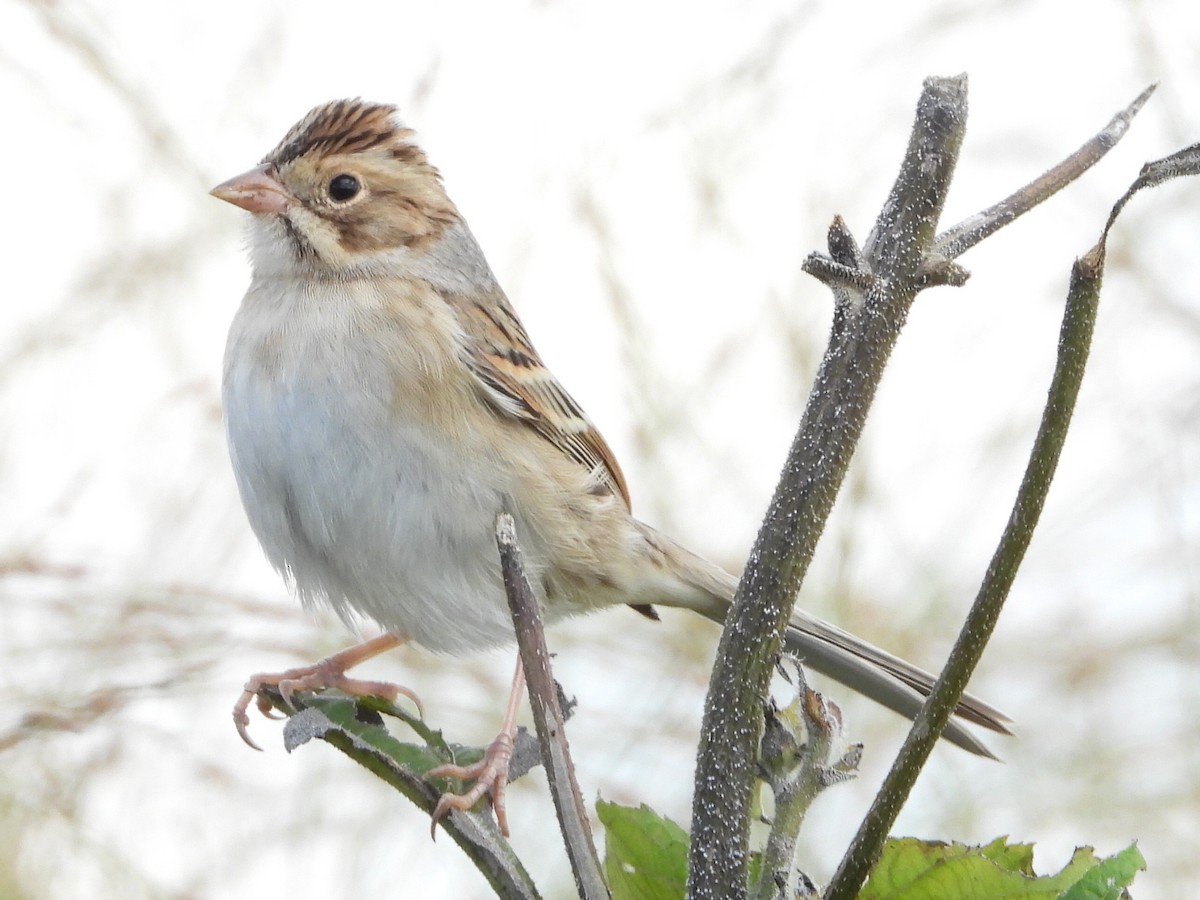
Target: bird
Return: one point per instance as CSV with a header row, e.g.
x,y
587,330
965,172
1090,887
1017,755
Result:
x,y
383,403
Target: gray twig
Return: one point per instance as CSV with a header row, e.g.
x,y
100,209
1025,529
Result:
x,y
955,241
1074,344
865,328
548,716
900,257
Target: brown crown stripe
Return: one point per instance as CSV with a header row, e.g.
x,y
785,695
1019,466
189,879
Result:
x,y
344,126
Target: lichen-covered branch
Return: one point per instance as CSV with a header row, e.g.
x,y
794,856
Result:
x,y
1074,344
866,326
873,289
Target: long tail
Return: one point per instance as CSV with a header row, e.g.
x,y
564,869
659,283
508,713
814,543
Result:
x,y
860,666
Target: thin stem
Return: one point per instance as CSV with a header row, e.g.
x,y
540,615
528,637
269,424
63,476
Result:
x,y
1074,344
956,241
548,716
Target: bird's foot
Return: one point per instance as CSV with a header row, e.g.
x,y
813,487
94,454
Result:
x,y
490,775
328,673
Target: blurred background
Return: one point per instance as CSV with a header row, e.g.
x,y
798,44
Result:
x,y
646,178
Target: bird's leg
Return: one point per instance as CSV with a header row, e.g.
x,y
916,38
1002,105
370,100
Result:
x,y
490,773
328,673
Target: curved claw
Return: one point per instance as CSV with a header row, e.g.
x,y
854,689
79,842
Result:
x,y
287,686
491,779
241,721
264,707
403,691
328,673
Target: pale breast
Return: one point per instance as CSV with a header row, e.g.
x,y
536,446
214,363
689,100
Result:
x,y
365,492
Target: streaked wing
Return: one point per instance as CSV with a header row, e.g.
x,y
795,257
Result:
x,y
517,383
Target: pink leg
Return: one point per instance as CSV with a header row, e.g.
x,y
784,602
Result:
x,y
490,773
328,673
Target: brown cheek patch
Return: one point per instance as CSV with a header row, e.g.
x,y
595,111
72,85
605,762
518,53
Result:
x,y
408,214
404,204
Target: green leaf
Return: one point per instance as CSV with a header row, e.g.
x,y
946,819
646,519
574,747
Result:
x,y
1109,877
1010,857
645,854
357,729
928,870
342,713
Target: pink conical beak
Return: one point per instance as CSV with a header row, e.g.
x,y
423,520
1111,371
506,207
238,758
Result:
x,y
257,191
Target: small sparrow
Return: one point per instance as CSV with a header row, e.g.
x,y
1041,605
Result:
x,y
383,403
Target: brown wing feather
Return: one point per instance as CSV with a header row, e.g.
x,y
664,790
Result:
x,y
518,384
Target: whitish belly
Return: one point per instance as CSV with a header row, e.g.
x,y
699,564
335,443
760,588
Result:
x,y
374,516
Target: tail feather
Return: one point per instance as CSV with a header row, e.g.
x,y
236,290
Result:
x,y
860,666
886,679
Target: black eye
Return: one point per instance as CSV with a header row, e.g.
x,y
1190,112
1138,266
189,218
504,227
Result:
x,y
344,187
